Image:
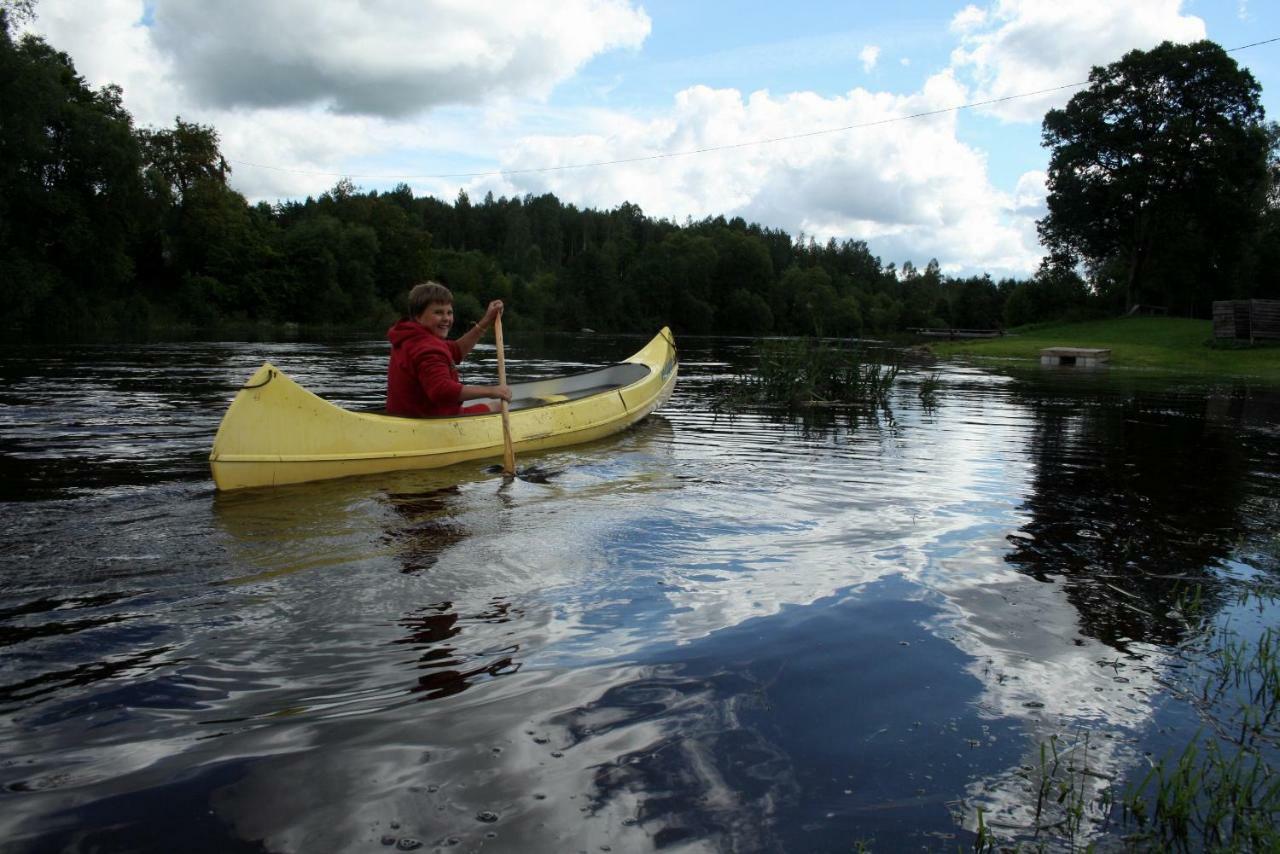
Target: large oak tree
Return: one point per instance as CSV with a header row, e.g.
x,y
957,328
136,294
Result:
x,y
1158,174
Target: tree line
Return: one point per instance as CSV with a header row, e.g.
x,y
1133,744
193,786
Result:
x,y
103,224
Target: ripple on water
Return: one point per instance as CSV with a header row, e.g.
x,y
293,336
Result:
x,y
749,631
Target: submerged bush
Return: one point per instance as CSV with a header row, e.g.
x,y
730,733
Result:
x,y
796,373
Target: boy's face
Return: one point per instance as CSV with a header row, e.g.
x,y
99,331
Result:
x,y
438,317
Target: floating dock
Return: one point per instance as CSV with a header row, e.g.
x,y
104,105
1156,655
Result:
x,y
953,334
1081,357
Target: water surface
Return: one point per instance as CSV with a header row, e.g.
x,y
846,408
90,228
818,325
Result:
x,y
718,631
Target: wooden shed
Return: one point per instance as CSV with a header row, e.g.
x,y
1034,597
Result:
x,y
1246,319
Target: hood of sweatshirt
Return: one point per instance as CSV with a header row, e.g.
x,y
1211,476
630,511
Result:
x,y
407,330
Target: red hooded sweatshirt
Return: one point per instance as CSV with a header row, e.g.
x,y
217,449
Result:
x,y
422,378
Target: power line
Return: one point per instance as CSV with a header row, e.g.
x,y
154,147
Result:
x,y
1254,44
705,150
670,154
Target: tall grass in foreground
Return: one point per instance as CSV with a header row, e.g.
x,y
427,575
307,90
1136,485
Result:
x,y
1220,792
799,373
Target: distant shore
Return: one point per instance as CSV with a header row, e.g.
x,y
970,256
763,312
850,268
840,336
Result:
x,y
1166,343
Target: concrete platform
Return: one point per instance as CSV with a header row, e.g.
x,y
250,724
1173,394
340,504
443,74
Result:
x,y
1081,357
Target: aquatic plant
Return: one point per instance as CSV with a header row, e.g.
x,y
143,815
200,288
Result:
x,y
1210,797
1220,792
983,840
928,390
795,373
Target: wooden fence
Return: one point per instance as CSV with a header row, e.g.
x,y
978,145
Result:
x,y
1246,319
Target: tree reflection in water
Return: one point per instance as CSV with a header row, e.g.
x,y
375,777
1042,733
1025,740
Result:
x,y
1136,502
1127,514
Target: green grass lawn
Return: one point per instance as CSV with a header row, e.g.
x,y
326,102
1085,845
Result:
x,y
1167,343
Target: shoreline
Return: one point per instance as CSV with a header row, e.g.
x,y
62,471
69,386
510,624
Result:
x,y
1177,345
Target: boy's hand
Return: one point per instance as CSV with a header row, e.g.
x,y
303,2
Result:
x,y
502,392
492,313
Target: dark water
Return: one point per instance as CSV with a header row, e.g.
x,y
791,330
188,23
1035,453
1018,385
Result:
x,y
711,633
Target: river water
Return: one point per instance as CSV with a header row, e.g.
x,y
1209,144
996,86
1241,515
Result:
x,y
716,632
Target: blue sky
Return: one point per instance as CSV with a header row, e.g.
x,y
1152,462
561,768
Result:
x,y
519,95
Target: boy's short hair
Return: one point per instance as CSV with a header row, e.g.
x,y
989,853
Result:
x,y
425,293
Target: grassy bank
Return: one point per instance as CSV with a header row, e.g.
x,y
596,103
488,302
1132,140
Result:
x,y
1167,343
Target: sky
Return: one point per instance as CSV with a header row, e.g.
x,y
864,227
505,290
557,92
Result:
x,y
860,120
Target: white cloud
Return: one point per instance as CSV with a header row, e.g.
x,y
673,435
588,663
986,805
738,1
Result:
x,y
163,54
969,18
1017,46
869,55
113,45
1031,192
311,141
1030,205
380,57
910,188
386,57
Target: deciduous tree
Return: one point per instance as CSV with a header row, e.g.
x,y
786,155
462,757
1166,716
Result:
x,y
69,183
1160,167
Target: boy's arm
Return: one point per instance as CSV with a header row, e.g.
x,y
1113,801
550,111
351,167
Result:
x,y
468,339
475,392
435,376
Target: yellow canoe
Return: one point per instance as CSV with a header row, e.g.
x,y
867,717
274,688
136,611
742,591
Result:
x,y
276,432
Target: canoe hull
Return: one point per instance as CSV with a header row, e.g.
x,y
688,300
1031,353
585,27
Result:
x,y
276,432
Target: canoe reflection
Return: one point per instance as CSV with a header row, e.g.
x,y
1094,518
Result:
x,y
431,526
278,532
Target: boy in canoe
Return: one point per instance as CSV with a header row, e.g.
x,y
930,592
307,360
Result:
x,y
422,377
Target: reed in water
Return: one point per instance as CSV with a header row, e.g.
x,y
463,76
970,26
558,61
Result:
x,y
796,373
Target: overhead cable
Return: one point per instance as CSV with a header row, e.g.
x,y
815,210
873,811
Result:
x,y
695,151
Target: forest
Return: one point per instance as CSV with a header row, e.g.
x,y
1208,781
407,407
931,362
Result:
x,y
105,226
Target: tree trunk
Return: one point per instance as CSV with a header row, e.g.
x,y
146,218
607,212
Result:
x,y
1137,257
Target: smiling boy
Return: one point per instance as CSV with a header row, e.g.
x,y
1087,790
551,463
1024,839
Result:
x,y
422,377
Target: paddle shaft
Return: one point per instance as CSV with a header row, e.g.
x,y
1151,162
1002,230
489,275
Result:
x,y
508,453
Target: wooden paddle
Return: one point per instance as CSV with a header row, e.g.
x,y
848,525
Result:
x,y
508,453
